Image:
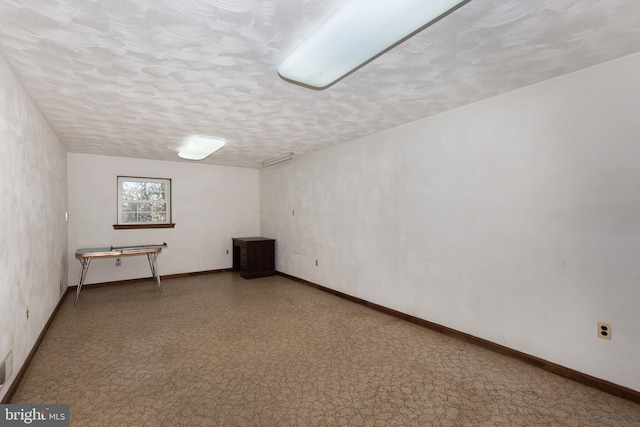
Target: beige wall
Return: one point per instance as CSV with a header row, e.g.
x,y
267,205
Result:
x,y
515,219
33,201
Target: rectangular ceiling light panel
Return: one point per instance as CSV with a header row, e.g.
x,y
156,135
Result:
x,y
357,33
199,147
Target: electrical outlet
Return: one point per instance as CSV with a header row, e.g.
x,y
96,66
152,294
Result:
x,y
27,313
118,262
604,330
316,263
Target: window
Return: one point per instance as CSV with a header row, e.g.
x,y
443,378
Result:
x,y
144,203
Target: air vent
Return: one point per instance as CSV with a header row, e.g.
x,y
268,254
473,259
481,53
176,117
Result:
x,y
5,370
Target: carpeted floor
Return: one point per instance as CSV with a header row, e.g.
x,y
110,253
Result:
x,y
218,350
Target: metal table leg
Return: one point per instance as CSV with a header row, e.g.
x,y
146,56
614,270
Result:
x,y
154,267
85,267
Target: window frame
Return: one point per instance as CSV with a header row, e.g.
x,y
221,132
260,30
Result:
x,y
121,225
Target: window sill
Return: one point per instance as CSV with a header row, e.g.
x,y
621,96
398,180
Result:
x,y
141,226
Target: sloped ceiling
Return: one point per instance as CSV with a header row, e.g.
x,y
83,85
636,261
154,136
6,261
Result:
x,y
134,78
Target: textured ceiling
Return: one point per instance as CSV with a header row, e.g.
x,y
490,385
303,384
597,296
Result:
x,y
133,78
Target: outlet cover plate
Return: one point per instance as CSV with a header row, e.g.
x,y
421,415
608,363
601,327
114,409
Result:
x,y
604,330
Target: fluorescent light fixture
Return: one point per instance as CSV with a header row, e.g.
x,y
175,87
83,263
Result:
x,y
198,147
286,156
356,34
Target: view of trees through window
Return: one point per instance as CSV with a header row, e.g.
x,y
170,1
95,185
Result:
x,y
143,200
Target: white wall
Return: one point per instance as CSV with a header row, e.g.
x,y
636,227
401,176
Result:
x,y
515,219
211,204
33,201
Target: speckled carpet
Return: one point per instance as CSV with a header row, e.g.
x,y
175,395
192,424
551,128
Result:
x,y
218,350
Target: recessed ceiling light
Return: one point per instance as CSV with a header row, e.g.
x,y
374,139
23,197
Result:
x,y
198,147
358,33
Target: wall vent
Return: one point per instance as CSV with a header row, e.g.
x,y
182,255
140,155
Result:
x,y
5,370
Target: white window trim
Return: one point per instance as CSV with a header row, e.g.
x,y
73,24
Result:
x,y
151,224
